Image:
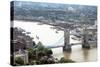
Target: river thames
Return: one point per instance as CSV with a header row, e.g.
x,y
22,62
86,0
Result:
x,y
51,37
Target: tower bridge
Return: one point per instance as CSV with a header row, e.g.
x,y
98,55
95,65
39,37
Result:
x,y
85,39
87,36
88,32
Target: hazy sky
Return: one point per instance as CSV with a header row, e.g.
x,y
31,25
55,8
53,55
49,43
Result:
x,y
82,2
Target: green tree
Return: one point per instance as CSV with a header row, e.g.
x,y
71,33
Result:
x,y
40,54
48,51
40,46
34,44
31,54
63,60
19,61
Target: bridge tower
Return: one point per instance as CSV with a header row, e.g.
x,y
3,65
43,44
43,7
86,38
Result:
x,y
89,33
67,46
85,43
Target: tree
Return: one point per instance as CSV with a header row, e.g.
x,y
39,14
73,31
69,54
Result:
x,y
34,43
40,46
40,55
63,60
19,61
31,54
49,52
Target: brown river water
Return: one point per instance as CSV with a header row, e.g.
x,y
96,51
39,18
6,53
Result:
x,y
49,37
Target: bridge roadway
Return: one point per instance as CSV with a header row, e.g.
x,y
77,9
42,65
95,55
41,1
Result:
x,y
73,44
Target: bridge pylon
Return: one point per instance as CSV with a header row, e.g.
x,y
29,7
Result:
x,y
86,43
67,45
